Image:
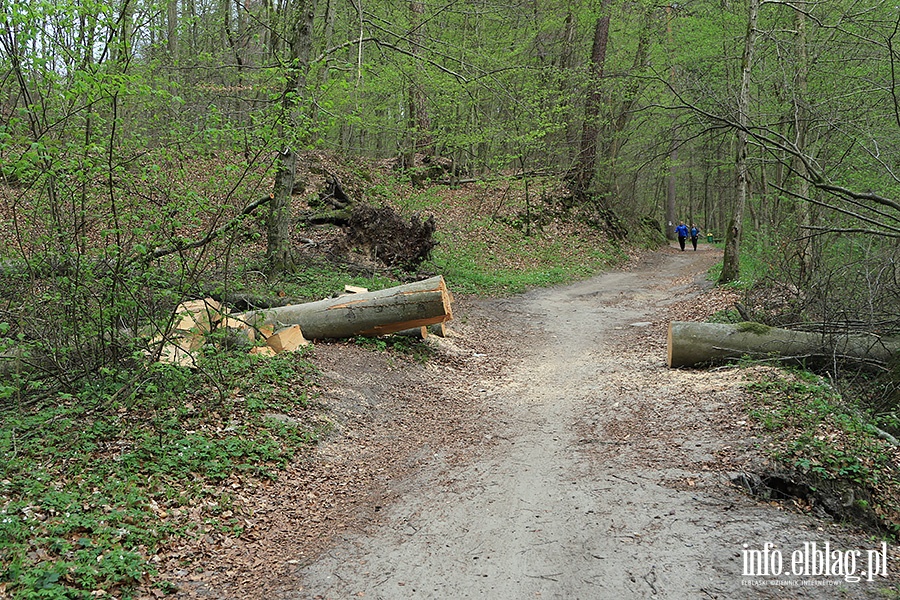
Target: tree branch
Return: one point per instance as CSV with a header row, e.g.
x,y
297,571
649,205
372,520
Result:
x,y
181,246
892,229
381,43
816,177
823,230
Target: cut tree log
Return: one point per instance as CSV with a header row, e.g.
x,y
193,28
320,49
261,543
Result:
x,y
263,351
198,315
438,329
419,333
193,320
368,313
288,339
692,344
180,350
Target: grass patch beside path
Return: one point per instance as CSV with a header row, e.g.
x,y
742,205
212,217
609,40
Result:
x,y
91,486
504,261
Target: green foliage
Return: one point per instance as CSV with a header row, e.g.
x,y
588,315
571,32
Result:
x,y
726,316
316,281
756,261
90,488
817,432
510,262
115,145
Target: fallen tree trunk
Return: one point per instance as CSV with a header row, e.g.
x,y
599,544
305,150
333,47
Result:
x,y
692,343
411,306
369,313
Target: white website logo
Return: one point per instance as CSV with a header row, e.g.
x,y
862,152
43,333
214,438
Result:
x,y
816,560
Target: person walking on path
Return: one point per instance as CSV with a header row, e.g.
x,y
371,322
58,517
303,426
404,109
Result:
x,y
682,232
695,233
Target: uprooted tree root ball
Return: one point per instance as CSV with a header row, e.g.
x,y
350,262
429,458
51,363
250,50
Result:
x,y
384,235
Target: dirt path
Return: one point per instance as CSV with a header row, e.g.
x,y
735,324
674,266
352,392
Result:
x,y
603,474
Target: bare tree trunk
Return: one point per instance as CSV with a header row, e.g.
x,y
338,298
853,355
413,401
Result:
x,y
672,177
327,36
801,116
279,254
621,116
121,50
225,32
419,121
241,43
580,178
566,62
671,180
731,260
301,46
268,38
189,7
583,170
172,29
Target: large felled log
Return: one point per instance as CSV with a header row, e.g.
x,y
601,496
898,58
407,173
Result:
x,y
698,343
369,313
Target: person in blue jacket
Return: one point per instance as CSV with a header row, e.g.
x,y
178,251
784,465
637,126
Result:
x,y
695,233
682,232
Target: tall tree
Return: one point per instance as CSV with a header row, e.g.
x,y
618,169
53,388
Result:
x,y
582,174
731,261
419,121
671,178
172,29
801,128
279,252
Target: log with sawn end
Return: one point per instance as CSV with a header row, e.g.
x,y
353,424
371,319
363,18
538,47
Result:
x,y
375,313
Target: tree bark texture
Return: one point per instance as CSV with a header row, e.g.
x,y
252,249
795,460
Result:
x,y
731,260
278,228
172,29
692,344
671,189
566,64
671,178
301,44
419,120
587,156
369,313
801,126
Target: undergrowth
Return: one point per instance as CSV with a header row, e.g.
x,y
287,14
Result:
x,y
509,263
834,442
91,486
99,476
755,260
313,281
826,439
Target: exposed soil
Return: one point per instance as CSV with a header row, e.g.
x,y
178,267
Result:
x,y
545,452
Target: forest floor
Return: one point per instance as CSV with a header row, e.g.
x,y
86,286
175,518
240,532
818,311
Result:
x,y
544,451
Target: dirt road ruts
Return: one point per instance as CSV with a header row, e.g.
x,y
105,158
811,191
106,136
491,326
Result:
x,y
609,475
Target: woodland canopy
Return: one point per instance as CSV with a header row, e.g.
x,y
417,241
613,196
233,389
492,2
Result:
x,y
158,151
128,126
